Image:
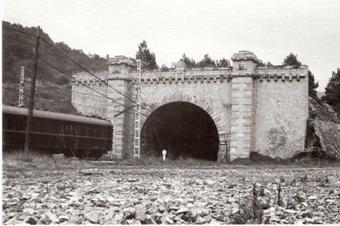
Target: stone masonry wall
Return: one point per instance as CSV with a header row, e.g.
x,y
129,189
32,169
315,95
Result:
x,y
255,109
212,95
281,113
87,101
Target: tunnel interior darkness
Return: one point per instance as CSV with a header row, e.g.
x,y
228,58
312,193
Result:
x,y
183,129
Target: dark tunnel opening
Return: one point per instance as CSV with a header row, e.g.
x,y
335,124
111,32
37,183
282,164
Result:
x,y
183,129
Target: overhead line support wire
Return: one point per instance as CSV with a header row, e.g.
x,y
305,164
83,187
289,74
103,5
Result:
x,y
75,62
88,71
54,67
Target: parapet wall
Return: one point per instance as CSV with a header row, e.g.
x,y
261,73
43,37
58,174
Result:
x,y
287,73
255,109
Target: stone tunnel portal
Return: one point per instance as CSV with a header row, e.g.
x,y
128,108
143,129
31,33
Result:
x,y
183,129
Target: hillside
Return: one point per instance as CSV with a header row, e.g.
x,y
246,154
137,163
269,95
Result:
x,y
53,86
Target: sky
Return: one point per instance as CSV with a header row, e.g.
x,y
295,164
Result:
x,y
271,29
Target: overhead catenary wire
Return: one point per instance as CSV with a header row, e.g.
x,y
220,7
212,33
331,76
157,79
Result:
x,y
115,101
94,75
10,90
88,71
81,66
56,87
94,90
75,62
82,93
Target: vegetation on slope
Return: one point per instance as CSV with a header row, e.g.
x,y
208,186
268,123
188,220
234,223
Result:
x,y
54,92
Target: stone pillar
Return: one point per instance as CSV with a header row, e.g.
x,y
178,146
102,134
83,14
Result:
x,y
223,148
120,78
242,109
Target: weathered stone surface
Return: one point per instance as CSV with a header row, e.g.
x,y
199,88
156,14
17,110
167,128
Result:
x,y
254,109
48,218
92,216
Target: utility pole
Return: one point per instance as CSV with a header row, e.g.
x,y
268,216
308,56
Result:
x,y
114,127
136,140
32,93
21,86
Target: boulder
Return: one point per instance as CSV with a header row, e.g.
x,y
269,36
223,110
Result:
x,y
92,217
140,213
48,218
129,213
31,220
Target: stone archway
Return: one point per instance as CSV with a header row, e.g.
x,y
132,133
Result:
x,y
198,101
183,128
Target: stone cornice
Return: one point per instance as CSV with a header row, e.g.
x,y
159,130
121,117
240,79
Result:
x,y
281,73
202,75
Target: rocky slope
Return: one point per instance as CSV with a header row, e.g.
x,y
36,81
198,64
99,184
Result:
x,y
323,130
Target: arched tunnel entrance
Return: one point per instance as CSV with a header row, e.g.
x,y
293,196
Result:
x,y
183,129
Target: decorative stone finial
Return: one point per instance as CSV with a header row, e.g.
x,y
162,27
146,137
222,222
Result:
x,y
121,60
121,65
243,55
180,65
244,62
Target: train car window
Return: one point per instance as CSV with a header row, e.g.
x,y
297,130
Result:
x,y
101,131
86,130
77,129
82,131
94,131
15,122
98,130
70,127
66,128
43,125
8,122
52,126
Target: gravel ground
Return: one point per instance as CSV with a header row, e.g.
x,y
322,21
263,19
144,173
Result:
x,y
170,195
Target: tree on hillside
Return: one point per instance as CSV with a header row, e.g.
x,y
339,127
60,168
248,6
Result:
x,y
164,68
332,91
190,63
147,57
292,60
269,64
206,62
312,85
54,70
222,63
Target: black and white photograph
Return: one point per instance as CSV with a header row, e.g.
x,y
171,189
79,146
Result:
x,y
119,112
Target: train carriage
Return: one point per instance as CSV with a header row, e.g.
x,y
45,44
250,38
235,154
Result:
x,y
56,133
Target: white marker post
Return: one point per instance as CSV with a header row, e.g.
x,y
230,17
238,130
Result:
x,y
164,155
21,86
